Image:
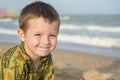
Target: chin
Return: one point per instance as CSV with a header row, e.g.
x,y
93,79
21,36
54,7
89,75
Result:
x,y
44,54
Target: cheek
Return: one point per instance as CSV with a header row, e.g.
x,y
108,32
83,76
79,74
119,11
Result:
x,y
32,41
54,42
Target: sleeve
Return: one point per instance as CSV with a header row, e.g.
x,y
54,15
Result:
x,y
5,73
8,69
1,68
8,74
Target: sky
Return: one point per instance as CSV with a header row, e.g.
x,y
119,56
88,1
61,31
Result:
x,y
74,7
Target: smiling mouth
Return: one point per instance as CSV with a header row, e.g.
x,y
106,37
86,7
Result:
x,y
44,48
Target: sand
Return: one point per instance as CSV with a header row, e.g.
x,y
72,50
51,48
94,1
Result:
x,y
72,65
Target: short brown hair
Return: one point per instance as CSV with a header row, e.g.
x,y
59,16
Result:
x,y
35,10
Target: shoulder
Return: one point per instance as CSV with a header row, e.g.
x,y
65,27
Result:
x,y
10,51
14,51
12,55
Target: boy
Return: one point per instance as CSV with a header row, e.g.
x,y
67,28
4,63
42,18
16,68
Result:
x,y
31,60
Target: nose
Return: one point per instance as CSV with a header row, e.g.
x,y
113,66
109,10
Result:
x,y
45,40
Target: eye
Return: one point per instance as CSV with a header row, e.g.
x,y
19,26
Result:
x,y
53,35
37,34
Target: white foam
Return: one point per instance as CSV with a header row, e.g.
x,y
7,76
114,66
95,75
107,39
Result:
x,y
87,40
5,19
8,31
91,28
64,17
16,23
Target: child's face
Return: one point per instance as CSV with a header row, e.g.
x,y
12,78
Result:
x,y
40,37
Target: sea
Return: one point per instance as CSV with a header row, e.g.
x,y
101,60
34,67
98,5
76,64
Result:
x,y
93,34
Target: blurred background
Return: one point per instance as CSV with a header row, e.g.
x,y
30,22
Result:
x,y
91,26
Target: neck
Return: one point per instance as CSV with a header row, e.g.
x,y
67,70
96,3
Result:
x,y
36,63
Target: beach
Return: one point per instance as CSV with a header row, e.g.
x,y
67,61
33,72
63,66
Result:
x,y
73,65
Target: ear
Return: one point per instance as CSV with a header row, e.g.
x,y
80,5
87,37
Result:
x,y
21,35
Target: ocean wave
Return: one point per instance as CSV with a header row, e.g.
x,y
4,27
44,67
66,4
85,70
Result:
x,y
93,41
8,31
5,19
16,23
65,17
91,28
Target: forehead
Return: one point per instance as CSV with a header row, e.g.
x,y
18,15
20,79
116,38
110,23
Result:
x,y
41,19
41,23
